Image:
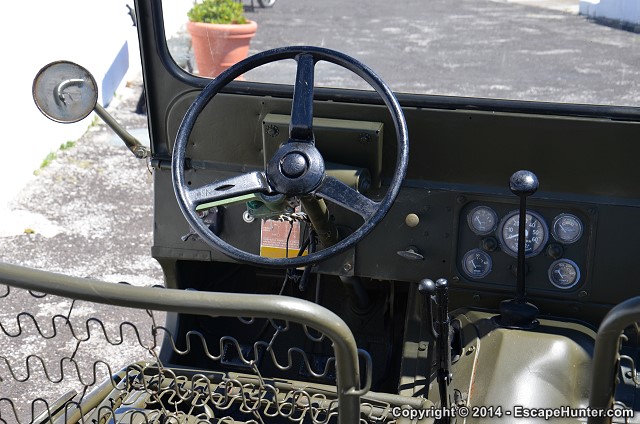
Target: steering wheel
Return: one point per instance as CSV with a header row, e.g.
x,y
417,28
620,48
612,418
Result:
x,y
297,168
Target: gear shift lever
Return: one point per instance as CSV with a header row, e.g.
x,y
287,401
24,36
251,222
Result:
x,y
518,313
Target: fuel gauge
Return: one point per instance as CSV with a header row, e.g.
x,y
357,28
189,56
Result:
x,y
482,220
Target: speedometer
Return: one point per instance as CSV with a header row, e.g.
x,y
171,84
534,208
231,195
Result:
x,y
536,233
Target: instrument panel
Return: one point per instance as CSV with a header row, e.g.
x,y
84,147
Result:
x,y
556,246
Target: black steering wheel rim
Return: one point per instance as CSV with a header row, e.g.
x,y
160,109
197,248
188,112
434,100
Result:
x,y
184,194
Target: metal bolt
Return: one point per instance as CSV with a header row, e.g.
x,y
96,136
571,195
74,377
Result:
x,y
247,217
476,297
347,267
365,138
422,346
272,130
628,374
583,293
461,199
140,153
455,278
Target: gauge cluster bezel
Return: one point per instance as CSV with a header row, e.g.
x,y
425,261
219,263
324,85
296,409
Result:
x,y
502,273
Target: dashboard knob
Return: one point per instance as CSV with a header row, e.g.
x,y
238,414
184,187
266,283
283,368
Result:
x,y
412,220
427,287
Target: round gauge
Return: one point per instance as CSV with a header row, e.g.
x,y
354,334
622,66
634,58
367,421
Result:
x,y
482,220
567,228
476,263
536,233
564,273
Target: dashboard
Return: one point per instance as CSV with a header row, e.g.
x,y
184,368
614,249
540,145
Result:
x,y
454,216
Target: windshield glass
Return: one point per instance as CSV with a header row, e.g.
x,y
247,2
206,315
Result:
x,y
542,50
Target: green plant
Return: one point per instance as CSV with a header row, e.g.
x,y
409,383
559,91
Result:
x,y
69,144
218,12
51,156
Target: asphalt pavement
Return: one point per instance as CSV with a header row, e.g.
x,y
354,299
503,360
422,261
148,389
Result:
x,y
516,49
88,212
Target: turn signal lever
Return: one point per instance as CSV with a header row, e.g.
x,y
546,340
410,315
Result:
x,y
518,313
442,332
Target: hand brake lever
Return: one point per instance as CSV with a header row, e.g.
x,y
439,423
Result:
x,y
442,332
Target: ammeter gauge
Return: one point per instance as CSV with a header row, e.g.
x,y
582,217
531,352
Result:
x,y
482,220
476,263
536,233
564,274
566,228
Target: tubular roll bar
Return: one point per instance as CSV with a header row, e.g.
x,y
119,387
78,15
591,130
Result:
x,y
209,303
606,358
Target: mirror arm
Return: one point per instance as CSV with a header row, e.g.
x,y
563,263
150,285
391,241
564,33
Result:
x,y
132,143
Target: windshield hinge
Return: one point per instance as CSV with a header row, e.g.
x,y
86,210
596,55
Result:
x,y
161,164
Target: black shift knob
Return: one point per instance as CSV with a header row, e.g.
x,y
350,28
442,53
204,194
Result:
x,y
523,183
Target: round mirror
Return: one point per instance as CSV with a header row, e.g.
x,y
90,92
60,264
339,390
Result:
x,y
65,92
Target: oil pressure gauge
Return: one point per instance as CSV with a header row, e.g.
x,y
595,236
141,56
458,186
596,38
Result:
x,y
536,233
476,263
564,274
482,220
567,228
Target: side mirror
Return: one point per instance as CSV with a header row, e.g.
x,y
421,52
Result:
x,y
66,92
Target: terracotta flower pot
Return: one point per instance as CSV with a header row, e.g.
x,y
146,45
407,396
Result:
x,y
218,46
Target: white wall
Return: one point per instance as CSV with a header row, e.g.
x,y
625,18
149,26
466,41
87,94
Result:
x,y
626,11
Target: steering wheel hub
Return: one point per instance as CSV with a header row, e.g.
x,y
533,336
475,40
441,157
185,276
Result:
x,y
296,168
294,165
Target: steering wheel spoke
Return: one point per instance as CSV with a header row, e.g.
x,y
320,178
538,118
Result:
x,y
301,126
341,194
235,186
